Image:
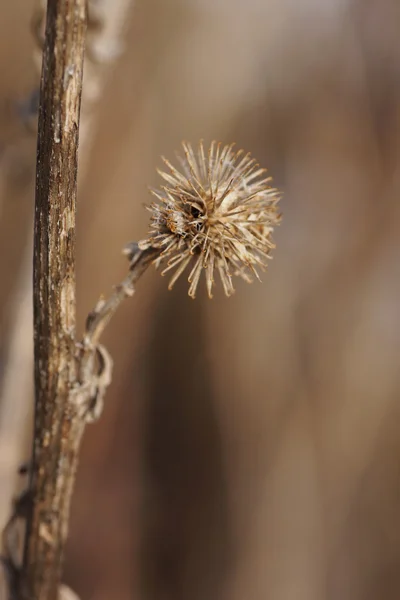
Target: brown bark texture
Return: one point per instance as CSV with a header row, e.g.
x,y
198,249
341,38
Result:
x,y
57,428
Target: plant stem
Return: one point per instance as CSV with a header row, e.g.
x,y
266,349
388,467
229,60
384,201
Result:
x,y
57,429
99,318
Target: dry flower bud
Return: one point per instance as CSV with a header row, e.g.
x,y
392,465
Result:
x,y
216,213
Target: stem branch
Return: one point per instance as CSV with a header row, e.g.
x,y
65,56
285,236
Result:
x,y
99,318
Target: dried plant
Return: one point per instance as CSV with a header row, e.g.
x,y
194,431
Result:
x,y
220,213
217,213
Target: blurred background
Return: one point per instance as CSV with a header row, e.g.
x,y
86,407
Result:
x,y
250,447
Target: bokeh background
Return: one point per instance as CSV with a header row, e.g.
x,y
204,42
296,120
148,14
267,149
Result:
x,y
250,447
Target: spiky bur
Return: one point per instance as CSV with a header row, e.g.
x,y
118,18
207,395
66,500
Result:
x,y
216,214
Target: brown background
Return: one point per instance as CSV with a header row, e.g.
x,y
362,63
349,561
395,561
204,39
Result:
x,y
250,447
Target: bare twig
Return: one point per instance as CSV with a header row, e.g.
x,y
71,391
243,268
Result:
x,y
100,317
94,362
57,431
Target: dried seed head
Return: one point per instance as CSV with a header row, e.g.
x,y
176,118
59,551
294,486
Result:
x,y
217,213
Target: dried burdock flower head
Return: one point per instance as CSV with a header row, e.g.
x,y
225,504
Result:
x,y
216,213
